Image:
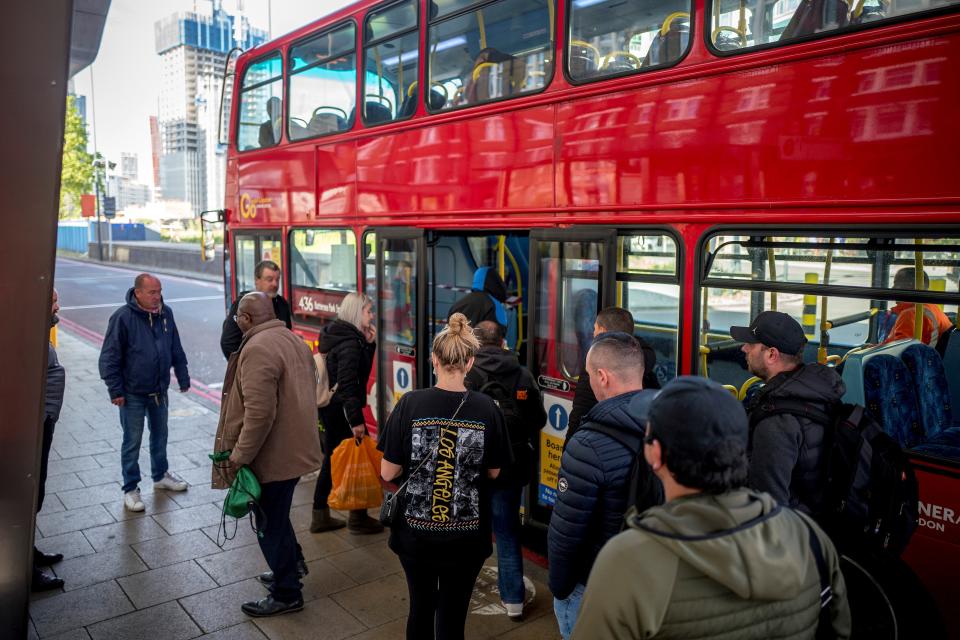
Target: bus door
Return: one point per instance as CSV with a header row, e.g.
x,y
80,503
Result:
x,y
401,354
250,248
572,278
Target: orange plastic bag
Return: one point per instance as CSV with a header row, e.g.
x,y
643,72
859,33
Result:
x,y
355,469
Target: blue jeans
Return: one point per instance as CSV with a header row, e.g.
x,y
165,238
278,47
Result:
x,y
505,508
567,611
135,408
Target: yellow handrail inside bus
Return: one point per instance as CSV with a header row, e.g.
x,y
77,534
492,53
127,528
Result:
x,y
740,34
665,28
834,359
919,312
501,259
704,352
620,265
742,394
480,67
857,10
772,262
732,389
483,30
742,22
824,323
552,9
586,45
516,270
610,57
411,89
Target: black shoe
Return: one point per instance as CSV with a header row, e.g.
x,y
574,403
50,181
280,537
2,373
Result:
x,y
43,581
270,607
266,578
41,559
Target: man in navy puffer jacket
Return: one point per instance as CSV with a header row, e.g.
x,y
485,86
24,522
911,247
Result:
x,y
140,346
592,489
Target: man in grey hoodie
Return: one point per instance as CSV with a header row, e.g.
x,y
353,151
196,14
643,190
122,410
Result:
x,y
717,559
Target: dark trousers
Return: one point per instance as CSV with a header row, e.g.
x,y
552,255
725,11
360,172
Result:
x,y
335,431
279,542
48,426
438,596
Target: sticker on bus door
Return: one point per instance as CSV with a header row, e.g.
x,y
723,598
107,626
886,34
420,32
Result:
x,y
551,445
402,379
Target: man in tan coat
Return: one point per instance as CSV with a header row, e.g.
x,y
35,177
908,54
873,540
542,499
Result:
x,y
268,420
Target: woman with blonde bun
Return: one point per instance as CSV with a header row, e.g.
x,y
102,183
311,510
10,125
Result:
x,y
447,444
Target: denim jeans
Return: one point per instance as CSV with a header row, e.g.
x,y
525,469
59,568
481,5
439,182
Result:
x,y
567,610
505,508
135,408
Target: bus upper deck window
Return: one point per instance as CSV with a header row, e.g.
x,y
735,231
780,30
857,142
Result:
x,y
261,108
744,24
323,81
610,37
498,50
391,59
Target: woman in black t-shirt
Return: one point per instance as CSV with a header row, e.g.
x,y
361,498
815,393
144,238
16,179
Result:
x,y
442,532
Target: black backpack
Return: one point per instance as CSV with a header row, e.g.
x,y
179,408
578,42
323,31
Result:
x,y
504,393
645,488
870,489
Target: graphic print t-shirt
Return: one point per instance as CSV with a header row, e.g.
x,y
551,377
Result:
x,y
447,499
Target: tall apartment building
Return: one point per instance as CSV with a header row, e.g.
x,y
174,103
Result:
x,y
128,165
193,49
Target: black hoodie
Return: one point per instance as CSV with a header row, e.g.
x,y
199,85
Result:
x,y
486,300
787,451
349,360
494,363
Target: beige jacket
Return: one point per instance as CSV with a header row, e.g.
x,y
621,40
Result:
x,y
268,416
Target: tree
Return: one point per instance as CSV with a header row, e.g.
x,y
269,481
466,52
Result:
x,y
76,177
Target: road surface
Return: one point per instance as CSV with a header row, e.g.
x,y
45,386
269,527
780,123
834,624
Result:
x,y
90,293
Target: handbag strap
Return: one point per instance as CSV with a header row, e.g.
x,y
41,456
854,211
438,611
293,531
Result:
x,y
403,486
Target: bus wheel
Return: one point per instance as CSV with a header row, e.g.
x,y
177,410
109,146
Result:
x,y
887,600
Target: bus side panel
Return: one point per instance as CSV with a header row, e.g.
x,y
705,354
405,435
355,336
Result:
x,y
276,186
497,162
871,124
336,179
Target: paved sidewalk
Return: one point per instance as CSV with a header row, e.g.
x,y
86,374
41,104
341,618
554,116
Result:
x,y
161,575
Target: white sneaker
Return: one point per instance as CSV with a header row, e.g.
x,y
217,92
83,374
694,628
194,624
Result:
x,y
514,610
170,482
132,501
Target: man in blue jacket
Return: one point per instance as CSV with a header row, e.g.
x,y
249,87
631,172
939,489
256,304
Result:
x,y
593,485
141,345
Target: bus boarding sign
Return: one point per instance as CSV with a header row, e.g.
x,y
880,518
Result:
x,y
551,445
402,378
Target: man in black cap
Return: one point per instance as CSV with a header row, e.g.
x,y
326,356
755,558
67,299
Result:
x,y
717,559
787,450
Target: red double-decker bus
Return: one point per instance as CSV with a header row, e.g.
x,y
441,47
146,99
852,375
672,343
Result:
x,y
694,161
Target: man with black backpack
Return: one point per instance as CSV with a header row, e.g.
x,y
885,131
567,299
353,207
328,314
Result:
x,y
497,373
788,445
602,471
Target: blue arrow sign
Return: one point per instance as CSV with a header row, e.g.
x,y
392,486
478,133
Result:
x,y
558,417
403,378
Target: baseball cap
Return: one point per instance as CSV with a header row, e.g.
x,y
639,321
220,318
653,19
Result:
x,y
773,329
693,417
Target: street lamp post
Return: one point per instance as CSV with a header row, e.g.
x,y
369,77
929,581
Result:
x,y
99,168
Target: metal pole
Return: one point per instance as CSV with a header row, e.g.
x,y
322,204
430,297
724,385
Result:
x,y
96,187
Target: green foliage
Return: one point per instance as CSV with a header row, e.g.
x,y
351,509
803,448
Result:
x,y
76,177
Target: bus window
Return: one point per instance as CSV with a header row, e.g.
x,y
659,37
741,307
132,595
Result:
x,y
743,24
857,300
611,37
499,50
370,264
391,57
323,270
648,286
251,249
323,84
261,106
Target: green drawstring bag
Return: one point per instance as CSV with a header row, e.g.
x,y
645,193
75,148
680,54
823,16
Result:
x,y
243,497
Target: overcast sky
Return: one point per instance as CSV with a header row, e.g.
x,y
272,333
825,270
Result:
x,y
127,69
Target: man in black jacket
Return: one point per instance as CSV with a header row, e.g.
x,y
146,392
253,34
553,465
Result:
x,y
787,449
609,319
593,487
266,280
486,300
498,373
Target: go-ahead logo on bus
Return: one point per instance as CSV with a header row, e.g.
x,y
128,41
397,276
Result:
x,y
249,205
